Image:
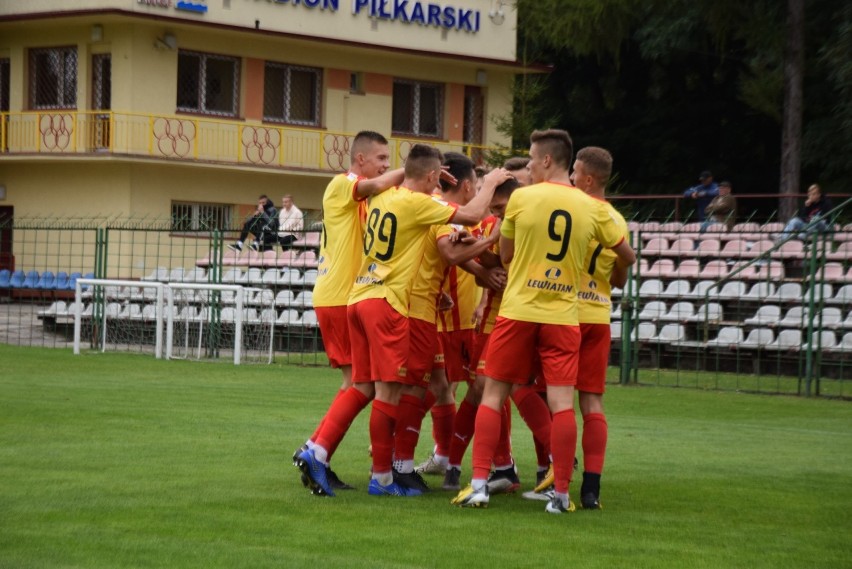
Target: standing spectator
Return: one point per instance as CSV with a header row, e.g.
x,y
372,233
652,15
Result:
x,y
290,222
816,206
262,225
722,209
703,193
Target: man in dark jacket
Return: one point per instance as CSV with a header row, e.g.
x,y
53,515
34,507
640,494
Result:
x,y
703,193
814,210
263,225
723,209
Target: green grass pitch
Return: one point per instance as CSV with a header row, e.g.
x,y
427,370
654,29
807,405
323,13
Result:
x,y
113,461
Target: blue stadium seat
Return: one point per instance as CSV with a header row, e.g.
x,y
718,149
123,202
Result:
x,y
47,281
17,280
72,280
88,276
31,281
5,277
61,282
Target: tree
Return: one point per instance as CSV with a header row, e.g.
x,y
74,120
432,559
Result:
x,y
791,138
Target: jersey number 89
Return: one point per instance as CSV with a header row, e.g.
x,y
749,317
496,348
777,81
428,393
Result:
x,y
383,228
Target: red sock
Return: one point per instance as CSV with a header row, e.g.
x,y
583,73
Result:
x,y
487,434
382,423
340,415
503,452
409,418
462,431
536,415
443,417
594,442
563,445
427,401
319,427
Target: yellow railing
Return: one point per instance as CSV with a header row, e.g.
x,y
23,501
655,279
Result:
x,y
190,138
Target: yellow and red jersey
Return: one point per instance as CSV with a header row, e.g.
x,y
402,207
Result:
x,y
427,282
340,246
494,297
395,236
552,225
461,288
595,295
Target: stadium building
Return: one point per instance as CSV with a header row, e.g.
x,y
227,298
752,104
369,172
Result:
x,y
189,109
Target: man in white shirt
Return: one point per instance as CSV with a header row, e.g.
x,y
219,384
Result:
x,y
290,222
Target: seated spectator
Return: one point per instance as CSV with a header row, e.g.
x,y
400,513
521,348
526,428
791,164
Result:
x,y
722,209
816,206
290,222
703,193
263,225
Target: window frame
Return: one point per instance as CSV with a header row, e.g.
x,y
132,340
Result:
x,y
415,109
317,96
195,226
62,89
201,71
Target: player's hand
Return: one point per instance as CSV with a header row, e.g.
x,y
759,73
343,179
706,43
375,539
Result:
x,y
462,236
496,177
445,302
476,317
447,177
495,278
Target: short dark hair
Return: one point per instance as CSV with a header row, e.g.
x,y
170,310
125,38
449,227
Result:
x,y
363,138
506,188
598,161
459,166
516,163
263,197
557,143
725,184
422,159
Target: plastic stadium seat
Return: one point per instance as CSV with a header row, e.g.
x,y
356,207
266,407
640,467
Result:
x,y
176,275
288,317
796,317
72,280
774,270
653,310
677,289
701,288
832,272
786,292
790,250
842,296
310,277
47,281
824,291
228,314
307,259
309,319
843,253
647,330
270,276
679,311
688,269
641,267
710,312
252,276
845,344
760,291
5,277
758,338
61,282
159,274
649,226
112,309
757,249
615,331
232,276
787,340
824,340
250,315
766,315
312,239
830,317
286,276
265,297
670,229
770,228
714,270
708,247
284,298
732,290
735,248
287,258
616,312
305,299
680,248
655,246
57,307
268,315
671,333
31,280
651,288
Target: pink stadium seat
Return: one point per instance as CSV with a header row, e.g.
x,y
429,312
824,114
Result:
x,y
714,270
655,247
307,259
773,270
688,269
843,253
708,248
833,272
312,239
734,248
662,268
671,229
287,259
649,226
790,250
759,248
680,248
713,231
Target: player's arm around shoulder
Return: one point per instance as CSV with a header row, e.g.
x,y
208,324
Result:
x,y
366,188
612,228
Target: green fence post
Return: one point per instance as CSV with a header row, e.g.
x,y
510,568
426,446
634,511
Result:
x,y
809,355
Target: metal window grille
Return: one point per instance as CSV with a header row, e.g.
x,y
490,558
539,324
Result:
x,y
417,108
53,78
4,85
188,216
291,94
102,81
208,83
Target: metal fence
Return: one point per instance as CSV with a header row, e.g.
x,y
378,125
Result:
x,y
715,309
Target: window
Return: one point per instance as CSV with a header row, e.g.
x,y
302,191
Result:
x,y
292,94
101,81
417,108
4,85
208,83
53,78
187,216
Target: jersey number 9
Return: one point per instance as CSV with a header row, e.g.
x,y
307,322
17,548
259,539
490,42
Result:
x,y
559,230
382,228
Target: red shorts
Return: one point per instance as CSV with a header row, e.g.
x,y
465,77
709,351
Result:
x,y
423,351
513,345
379,336
594,357
480,344
334,327
458,347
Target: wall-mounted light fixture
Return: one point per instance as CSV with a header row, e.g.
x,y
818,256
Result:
x,y
168,41
481,77
497,12
97,32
